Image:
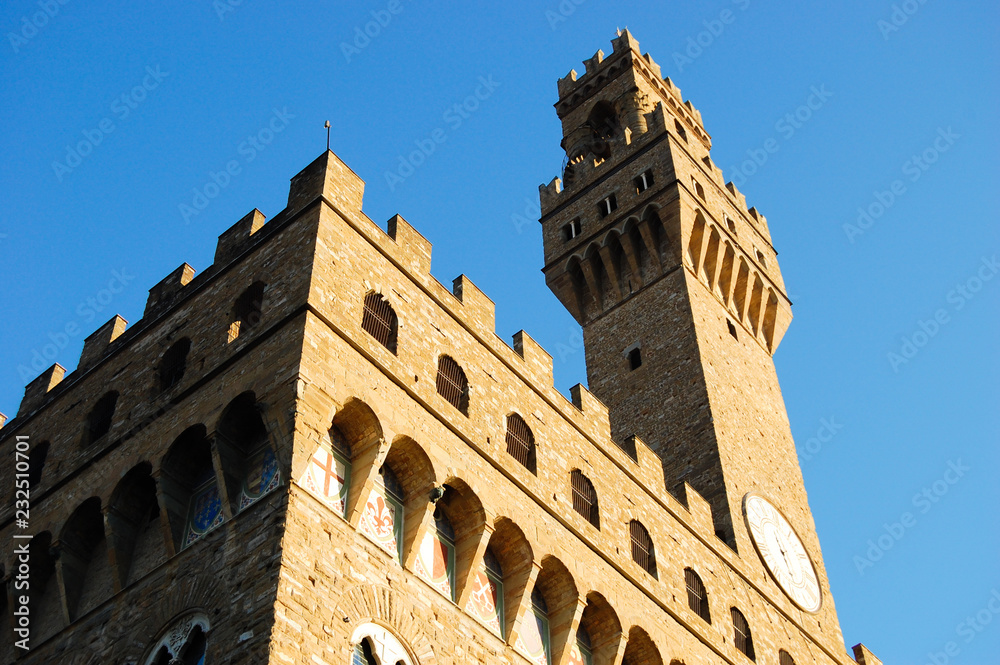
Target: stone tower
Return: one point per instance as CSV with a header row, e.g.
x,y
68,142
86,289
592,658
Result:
x,y
312,452
676,286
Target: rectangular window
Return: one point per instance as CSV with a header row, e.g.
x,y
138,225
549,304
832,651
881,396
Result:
x,y
643,182
608,205
571,230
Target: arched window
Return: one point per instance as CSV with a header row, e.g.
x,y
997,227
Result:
x,y
382,519
45,604
742,637
785,658
585,498
100,418
173,363
452,384
134,520
486,599
534,639
86,570
247,310
249,462
436,558
379,320
36,462
680,130
194,505
521,442
184,643
642,547
581,653
697,598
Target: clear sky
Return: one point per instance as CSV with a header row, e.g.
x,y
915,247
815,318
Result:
x,y
889,369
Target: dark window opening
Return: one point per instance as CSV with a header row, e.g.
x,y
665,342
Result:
x,y
36,462
635,359
642,547
452,384
380,321
608,205
680,130
644,181
521,442
173,363
785,658
100,418
571,230
697,598
742,637
585,498
247,310
732,329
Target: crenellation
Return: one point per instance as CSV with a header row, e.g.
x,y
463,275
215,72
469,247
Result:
x,y
567,83
593,409
477,308
238,237
413,249
37,390
329,177
286,349
739,198
537,360
593,62
163,294
700,510
98,342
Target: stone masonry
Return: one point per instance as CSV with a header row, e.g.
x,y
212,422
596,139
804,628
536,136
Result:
x,y
216,405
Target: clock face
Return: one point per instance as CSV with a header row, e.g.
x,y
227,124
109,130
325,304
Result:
x,y
782,551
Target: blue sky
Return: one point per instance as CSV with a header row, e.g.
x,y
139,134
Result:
x,y
170,95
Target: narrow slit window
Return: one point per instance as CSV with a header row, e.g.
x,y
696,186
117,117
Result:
x,y
635,359
732,330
